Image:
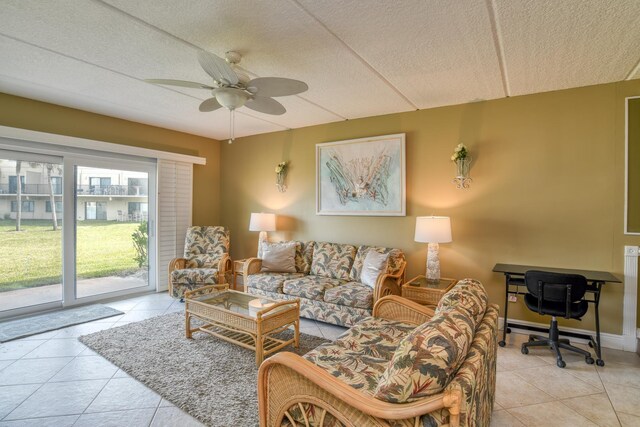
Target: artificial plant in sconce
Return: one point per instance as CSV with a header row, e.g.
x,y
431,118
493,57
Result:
x,y
462,160
281,175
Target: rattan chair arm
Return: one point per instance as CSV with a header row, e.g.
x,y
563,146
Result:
x,y
342,391
393,307
177,264
389,284
252,266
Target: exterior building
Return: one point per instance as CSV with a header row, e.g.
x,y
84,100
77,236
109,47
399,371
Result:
x,y
101,194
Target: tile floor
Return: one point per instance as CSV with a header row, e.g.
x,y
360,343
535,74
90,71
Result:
x,y
53,380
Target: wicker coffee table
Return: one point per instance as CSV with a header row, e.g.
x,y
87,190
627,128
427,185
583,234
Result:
x,y
243,319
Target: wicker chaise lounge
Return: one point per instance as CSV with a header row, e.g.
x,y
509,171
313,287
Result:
x,y
408,365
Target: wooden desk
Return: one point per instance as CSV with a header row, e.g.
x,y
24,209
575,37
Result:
x,y
514,279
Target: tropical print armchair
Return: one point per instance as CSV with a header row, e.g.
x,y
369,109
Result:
x,y
205,262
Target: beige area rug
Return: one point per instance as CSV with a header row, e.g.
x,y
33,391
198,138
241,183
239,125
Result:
x,y
211,379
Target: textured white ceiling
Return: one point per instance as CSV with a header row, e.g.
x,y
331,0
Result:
x,y
359,58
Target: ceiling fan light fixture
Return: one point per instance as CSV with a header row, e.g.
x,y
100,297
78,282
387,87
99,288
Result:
x,y
231,98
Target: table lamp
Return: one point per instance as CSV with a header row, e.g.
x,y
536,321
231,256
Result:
x,y
262,222
433,230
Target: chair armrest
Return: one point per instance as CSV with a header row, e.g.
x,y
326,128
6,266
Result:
x,y
389,284
290,392
393,307
252,266
177,264
225,268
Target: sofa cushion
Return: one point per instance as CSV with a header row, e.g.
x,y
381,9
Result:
x,y
351,294
375,337
278,257
270,282
204,246
304,256
360,371
394,266
311,287
427,358
332,260
468,295
374,265
195,276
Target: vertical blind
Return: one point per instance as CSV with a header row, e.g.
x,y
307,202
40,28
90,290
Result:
x,y
175,185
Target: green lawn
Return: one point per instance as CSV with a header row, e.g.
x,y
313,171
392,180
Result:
x,y
33,257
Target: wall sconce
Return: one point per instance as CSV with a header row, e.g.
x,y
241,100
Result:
x,y
462,159
281,176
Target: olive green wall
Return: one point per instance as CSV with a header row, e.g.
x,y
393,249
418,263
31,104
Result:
x,y
39,116
633,189
548,187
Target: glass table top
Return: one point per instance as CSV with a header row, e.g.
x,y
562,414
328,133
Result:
x,y
240,302
423,282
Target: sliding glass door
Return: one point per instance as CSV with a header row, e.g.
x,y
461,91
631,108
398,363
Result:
x,y
74,229
112,230
30,231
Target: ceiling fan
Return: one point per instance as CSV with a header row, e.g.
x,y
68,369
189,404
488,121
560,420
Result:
x,y
233,89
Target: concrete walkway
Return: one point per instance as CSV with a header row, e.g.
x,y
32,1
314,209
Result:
x,y
51,293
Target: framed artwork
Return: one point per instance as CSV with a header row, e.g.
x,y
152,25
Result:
x,y
363,176
632,172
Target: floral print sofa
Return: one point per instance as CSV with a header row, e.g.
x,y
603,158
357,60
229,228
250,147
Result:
x,y
407,365
327,281
206,260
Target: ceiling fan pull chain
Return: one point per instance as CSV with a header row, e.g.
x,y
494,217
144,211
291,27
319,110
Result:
x,y
232,125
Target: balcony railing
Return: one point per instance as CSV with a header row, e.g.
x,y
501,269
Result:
x,y
82,190
30,189
112,190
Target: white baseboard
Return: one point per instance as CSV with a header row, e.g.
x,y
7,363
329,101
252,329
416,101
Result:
x,y
613,341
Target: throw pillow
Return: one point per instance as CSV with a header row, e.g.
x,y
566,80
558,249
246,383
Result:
x,y
279,257
374,264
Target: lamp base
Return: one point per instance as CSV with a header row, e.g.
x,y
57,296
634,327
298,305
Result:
x,y
433,263
262,237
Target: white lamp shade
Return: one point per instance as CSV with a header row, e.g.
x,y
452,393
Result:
x,y
433,229
262,222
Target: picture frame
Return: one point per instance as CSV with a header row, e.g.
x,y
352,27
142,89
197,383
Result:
x,y
362,177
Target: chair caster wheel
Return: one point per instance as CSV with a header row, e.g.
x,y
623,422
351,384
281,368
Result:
x,y
600,362
524,350
508,330
561,363
589,360
501,343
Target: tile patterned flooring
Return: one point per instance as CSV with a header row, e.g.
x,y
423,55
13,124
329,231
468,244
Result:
x,y
51,379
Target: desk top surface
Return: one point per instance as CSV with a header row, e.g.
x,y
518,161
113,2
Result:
x,y
597,276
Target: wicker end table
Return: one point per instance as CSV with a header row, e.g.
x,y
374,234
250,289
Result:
x,y
427,292
238,267
243,319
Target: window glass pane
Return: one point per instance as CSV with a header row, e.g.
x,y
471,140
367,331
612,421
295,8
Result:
x,y
111,230
32,238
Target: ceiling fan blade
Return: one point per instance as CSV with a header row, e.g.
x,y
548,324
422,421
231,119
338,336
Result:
x,y
277,86
210,104
182,83
217,68
266,105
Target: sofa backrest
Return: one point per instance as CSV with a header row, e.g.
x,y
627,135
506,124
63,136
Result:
x,y
332,260
205,245
396,260
304,256
427,359
468,295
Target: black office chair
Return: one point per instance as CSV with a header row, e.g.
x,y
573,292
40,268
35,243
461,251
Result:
x,y
555,294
